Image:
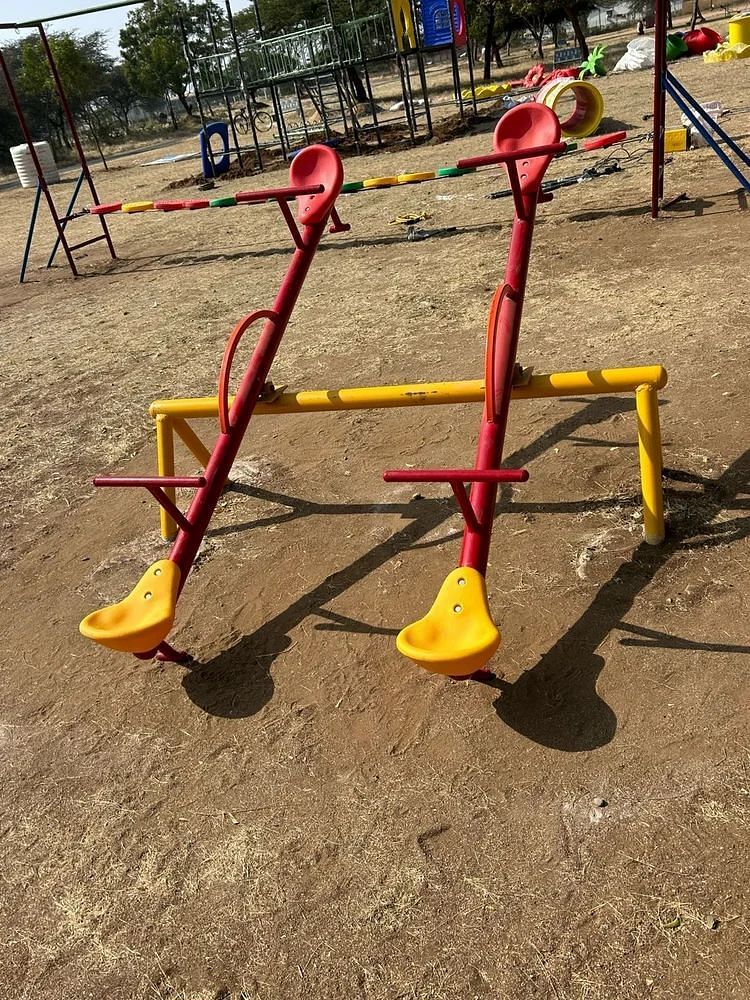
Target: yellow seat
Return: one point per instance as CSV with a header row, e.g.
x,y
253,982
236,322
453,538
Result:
x,y
457,635
144,618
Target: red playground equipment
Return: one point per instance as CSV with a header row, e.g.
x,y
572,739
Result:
x,y
140,623
457,636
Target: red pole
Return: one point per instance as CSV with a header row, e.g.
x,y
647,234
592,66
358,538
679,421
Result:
x,y
42,181
660,105
502,344
225,451
74,133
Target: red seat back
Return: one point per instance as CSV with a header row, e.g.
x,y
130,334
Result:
x,y
316,165
524,127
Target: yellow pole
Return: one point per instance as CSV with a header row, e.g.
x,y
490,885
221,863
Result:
x,y
590,383
165,467
649,453
191,440
584,383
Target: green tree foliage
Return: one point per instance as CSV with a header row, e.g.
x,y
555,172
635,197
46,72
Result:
x,y
83,66
10,133
120,95
577,14
493,22
151,45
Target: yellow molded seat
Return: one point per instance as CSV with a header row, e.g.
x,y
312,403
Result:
x,y
457,635
144,618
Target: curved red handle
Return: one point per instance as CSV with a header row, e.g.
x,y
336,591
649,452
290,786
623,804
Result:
x,y
226,362
493,325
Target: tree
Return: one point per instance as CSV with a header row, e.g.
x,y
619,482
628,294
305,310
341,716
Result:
x,y
151,45
538,15
696,16
83,66
120,96
10,133
279,16
491,22
535,16
573,12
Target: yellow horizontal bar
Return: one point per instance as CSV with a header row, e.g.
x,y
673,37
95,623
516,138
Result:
x,y
583,383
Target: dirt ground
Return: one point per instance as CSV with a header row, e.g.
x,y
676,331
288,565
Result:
x,y
301,812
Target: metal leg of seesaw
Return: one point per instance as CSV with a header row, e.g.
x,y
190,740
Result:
x,y
650,457
165,467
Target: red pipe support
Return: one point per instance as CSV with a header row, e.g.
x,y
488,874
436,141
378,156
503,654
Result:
x,y
195,482
456,476
550,149
225,451
37,164
660,105
74,132
502,344
226,362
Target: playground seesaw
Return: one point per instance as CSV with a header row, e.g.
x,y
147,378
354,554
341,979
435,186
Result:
x,y
457,636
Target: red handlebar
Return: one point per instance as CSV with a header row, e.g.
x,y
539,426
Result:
x,y
551,149
456,475
275,194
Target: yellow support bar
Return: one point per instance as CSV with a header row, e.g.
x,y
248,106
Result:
x,y
191,441
649,453
583,383
645,381
165,467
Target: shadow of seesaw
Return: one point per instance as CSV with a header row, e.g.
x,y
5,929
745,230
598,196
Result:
x,y
237,683
555,703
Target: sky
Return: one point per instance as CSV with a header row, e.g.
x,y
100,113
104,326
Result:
x,y
108,22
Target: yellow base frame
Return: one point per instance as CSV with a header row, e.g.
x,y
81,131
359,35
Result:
x,y
644,381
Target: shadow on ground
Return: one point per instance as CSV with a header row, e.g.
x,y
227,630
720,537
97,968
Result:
x,y
555,703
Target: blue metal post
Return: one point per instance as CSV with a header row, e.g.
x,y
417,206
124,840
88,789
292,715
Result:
x,y
698,117
688,104
30,236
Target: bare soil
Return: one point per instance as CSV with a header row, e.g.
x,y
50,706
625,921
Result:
x,y
301,812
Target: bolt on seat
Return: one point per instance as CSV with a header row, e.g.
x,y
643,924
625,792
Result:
x,y
143,619
457,635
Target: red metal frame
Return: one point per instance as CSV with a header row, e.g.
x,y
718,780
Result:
x,y
526,165
660,105
316,176
155,486
457,478
226,362
274,194
315,206
199,514
60,222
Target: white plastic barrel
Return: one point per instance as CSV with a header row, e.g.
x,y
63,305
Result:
x,y
24,164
